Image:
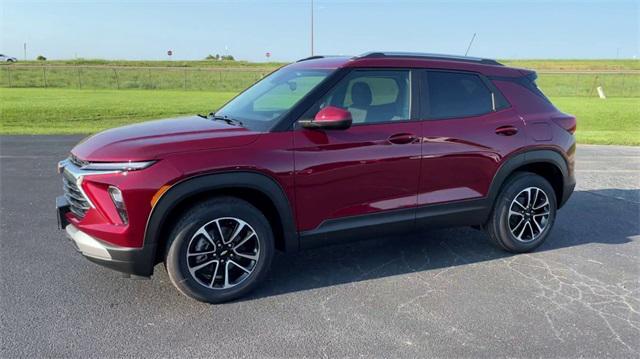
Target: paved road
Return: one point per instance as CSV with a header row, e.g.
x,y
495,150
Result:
x,y
446,293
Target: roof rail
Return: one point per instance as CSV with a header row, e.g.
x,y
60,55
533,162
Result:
x,y
311,58
429,56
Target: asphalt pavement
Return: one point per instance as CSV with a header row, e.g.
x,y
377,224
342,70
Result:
x,y
445,293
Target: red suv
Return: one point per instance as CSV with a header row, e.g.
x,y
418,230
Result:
x,y
324,150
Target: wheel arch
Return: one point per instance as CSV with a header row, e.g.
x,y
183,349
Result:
x,y
256,188
550,164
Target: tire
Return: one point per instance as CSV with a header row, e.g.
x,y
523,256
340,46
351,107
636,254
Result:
x,y
196,240
528,228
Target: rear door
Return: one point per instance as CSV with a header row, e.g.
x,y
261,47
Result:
x,y
468,127
344,178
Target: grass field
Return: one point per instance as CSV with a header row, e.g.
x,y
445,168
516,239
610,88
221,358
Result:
x,y
607,122
128,77
149,63
575,65
86,96
236,79
584,85
227,76
536,64
66,111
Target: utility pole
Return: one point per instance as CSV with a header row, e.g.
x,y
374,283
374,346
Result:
x,y
311,27
470,43
25,51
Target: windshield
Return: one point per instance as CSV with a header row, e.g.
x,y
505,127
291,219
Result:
x,y
263,104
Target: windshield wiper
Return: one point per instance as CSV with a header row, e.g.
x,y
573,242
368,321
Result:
x,y
226,119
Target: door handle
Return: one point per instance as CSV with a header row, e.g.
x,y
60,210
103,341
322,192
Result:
x,y
506,131
402,138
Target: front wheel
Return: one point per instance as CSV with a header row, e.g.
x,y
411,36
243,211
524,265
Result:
x,y
220,250
523,214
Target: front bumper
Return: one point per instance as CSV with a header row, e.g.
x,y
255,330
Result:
x,y
127,260
123,259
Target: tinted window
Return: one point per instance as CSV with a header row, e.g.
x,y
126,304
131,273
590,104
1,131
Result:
x,y
453,95
264,103
371,96
530,83
285,95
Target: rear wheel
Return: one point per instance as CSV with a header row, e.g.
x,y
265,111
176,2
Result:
x,y
219,250
523,214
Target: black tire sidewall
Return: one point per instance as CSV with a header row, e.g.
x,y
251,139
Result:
x,y
197,217
501,212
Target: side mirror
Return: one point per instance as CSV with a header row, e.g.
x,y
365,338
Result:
x,y
329,118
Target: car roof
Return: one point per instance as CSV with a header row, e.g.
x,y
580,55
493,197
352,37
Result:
x,y
409,60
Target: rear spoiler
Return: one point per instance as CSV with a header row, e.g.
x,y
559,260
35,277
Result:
x,y
529,74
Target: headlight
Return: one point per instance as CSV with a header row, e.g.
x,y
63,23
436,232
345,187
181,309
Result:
x,y
118,201
117,166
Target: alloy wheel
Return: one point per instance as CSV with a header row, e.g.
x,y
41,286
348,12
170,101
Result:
x,y
529,214
223,253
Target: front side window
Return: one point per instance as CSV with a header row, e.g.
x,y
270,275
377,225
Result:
x,y
452,95
371,96
264,103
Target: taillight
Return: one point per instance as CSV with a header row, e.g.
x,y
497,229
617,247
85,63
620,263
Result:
x,y
569,123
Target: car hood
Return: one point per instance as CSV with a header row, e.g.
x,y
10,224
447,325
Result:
x,y
155,139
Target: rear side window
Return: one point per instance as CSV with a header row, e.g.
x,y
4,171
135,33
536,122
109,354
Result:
x,y
529,82
453,95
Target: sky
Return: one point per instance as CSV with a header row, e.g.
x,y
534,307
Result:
x,y
248,29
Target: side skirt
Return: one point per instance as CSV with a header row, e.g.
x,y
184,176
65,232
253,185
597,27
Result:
x,y
463,213
473,212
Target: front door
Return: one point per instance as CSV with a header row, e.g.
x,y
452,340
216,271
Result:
x,y
368,174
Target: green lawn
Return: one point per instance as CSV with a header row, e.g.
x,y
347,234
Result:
x,y
607,122
221,79
66,111
575,65
537,64
226,76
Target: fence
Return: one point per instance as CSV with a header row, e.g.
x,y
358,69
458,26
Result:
x,y
584,84
99,77
570,84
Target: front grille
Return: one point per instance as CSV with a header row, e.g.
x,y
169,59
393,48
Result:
x,y
78,204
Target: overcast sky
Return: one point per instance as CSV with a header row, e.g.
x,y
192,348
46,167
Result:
x,y
249,29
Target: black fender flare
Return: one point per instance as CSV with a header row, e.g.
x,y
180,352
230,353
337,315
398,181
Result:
x,y
529,157
217,181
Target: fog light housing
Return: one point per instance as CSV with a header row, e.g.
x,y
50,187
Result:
x,y
118,201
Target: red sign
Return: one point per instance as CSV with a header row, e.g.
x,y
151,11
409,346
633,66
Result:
x,y
169,52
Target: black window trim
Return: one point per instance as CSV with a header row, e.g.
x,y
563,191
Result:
x,y
490,86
